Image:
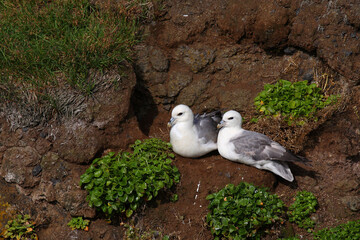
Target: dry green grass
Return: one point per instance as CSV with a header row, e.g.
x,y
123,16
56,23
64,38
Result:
x,y
53,52
47,43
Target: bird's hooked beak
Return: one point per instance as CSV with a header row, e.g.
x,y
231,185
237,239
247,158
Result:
x,y
171,122
221,124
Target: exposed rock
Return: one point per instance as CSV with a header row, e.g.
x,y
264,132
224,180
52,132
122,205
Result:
x,y
111,107
184,22
194,91
196,58
352,202
142,63
289,50
62,231
18,164
177,82
106,232
36,170
79,142
271,27
158,60
234,98
54,169
45,191
73,199
42,145
347,185
10,140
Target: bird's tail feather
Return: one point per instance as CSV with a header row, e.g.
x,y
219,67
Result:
x,y
290,157
305,161
279,168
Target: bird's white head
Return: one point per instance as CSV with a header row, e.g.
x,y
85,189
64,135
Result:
x,y
181,113
231,119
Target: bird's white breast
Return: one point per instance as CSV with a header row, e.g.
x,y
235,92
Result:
x,y
185,142
225,147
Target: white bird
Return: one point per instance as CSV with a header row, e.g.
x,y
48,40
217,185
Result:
x,y
193,136
253,148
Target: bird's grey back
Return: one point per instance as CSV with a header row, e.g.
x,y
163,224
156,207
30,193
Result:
x,y
206,125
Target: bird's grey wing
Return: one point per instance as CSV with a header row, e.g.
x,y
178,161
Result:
x,y
261,147
248,143
206,125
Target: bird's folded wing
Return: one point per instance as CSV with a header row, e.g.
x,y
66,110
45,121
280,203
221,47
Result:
x,y
261,147
205,126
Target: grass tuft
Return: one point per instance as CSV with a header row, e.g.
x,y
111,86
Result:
x,y
43,42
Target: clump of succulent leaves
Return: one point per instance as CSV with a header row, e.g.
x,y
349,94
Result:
x,y
21,228
79,223
243,211
299,212
296,102
120,183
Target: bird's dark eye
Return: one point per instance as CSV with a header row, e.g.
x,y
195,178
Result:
x,y
230,118
179,114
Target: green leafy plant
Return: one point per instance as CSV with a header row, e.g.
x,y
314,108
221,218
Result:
x,y
243,211
174,198
79,223
20,228
300,211
120,183
292,100
346,231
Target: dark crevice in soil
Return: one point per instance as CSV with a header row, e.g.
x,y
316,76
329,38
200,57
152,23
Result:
x,y
143,105
355,158
289,50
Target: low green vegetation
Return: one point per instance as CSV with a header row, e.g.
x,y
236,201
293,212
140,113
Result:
x,y
134,233
174,197
79,223
289,238
44,44
243,211
347,231
299,212
21,228
120,183
247,212
296,101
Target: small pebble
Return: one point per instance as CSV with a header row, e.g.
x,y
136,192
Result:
x,y
36,170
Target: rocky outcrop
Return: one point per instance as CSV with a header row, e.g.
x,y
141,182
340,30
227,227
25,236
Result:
x,y
20,166
45,162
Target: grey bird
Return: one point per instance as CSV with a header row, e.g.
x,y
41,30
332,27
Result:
x,y
253,148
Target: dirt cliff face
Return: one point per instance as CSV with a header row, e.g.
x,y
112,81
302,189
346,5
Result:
x,y
227,46
208,55
219,54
